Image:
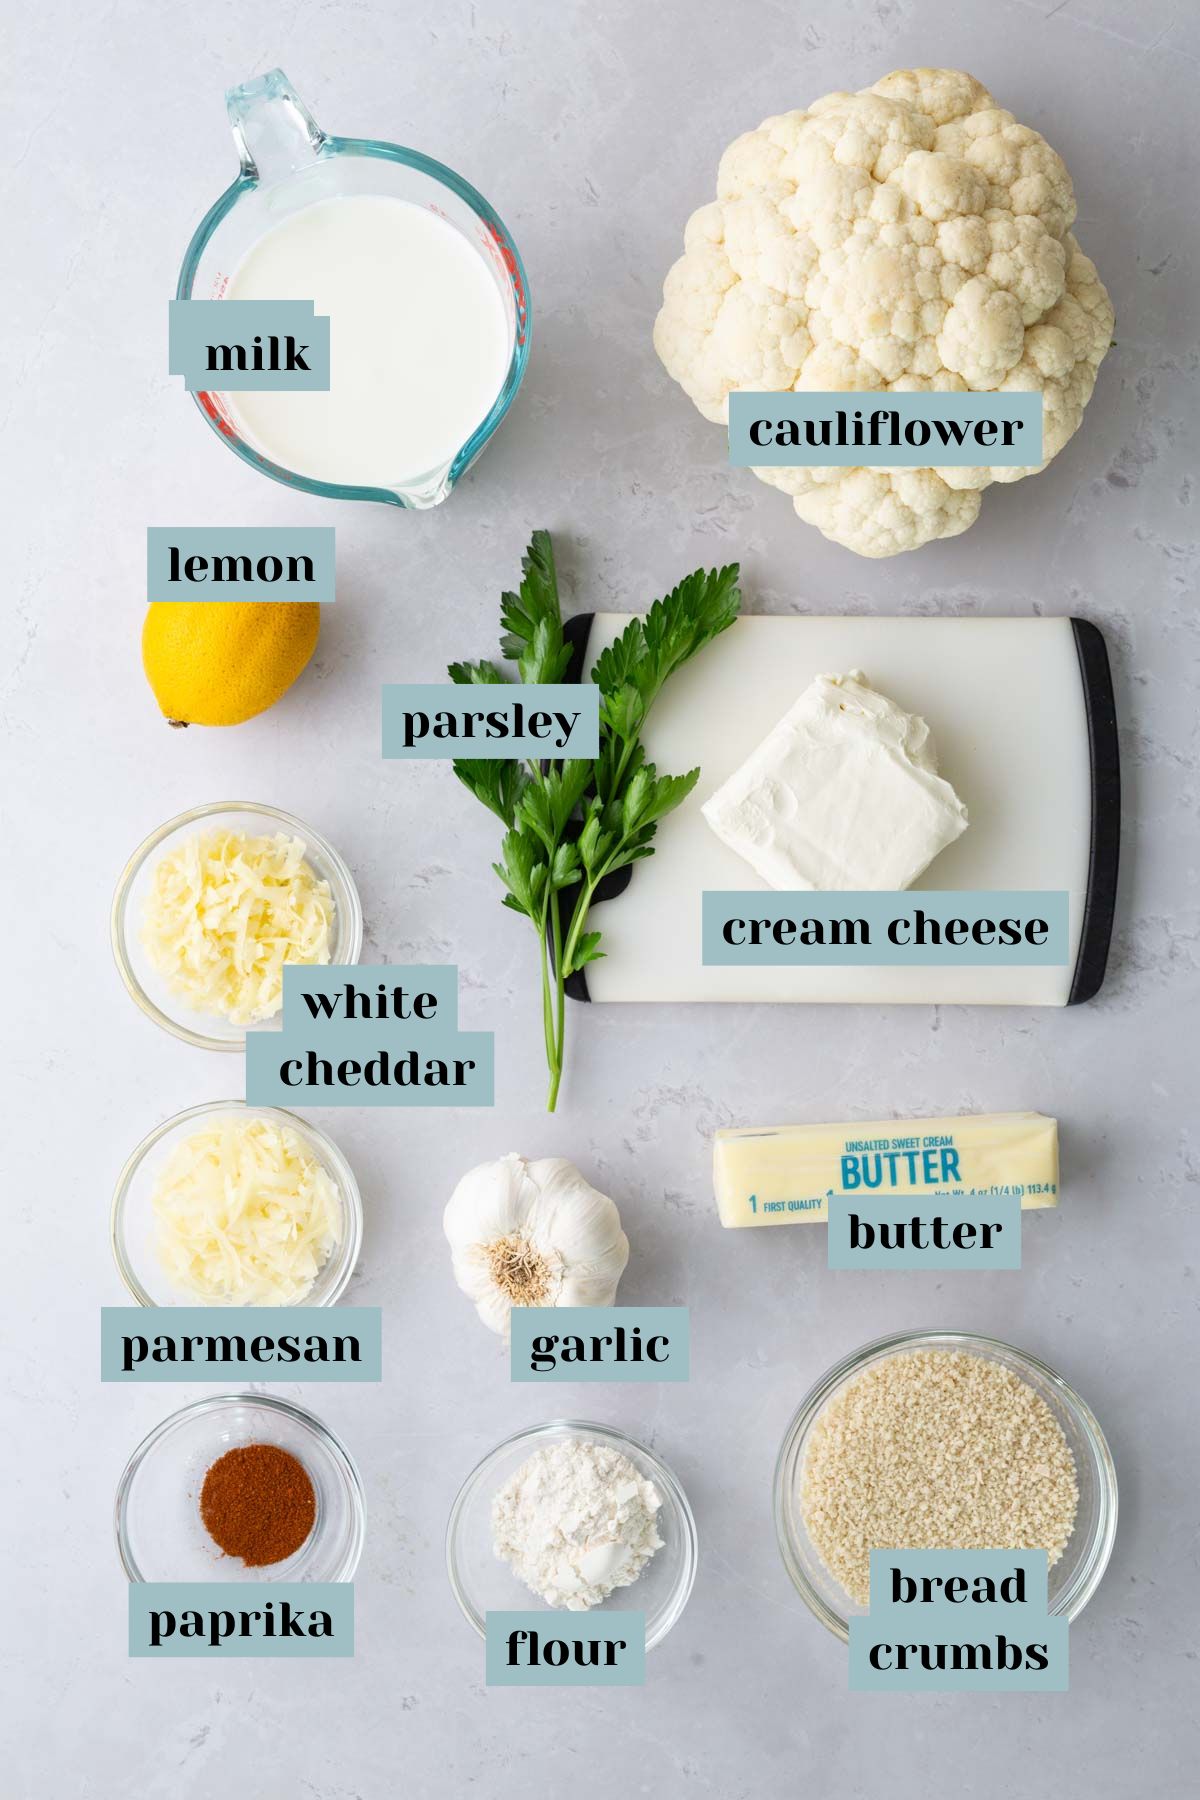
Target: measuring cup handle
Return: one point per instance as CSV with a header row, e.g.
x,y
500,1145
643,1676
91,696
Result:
x,y
273,129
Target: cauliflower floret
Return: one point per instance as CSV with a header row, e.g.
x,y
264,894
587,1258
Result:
x,y
911,236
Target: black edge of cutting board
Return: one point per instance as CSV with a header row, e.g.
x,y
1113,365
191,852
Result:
x,y
1100,900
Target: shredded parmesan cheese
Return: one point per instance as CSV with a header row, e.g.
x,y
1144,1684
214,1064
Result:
x,y
225,912
246,1214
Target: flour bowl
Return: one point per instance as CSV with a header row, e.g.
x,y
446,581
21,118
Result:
x,y
482,1583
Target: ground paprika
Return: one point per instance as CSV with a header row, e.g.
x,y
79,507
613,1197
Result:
x,y
258,1503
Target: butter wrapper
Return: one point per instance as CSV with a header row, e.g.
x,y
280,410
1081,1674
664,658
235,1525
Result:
x,y
787,1174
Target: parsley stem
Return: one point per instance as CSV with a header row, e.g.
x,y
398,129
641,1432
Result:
x,y
553,1051
555,1054
579,919
560,1004
583,904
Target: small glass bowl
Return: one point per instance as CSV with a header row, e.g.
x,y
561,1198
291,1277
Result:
x,y
482,1583
206,1030
160,1535
1074,1578
132,1219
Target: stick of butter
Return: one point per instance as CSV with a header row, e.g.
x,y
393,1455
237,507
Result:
x,y
786,1174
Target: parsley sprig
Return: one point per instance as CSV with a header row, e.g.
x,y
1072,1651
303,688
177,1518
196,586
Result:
x,y
569,824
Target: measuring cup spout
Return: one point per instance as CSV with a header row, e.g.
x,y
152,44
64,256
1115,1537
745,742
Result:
x,y
273,129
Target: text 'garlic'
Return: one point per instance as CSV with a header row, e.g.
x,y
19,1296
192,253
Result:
x,y
533,1234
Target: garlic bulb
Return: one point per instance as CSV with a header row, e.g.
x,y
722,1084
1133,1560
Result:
x,y
533,1234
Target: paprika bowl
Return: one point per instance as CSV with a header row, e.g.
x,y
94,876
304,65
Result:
x,y
160,1535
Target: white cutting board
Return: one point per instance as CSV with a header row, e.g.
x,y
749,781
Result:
x,y
1005,700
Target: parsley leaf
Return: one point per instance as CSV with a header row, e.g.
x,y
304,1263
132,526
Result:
x,y
532,619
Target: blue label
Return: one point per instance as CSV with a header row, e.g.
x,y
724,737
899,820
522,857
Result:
x,y
961,1231
600,1343
370,1035
427,722
241,1618
240,562
248,346
744,928
566,1649
240,1343
957,1621
886,429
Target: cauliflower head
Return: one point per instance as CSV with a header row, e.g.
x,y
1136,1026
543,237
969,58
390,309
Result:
x,y
911,236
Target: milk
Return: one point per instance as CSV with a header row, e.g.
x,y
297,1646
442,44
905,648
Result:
x,y
419,341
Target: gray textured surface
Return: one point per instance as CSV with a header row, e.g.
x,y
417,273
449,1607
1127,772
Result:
x,y
595,131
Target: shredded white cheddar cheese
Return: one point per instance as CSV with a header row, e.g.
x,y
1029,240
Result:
x,y
246,1214
226,911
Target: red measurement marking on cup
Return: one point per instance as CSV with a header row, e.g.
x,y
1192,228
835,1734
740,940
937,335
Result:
x,y
503,250
211,405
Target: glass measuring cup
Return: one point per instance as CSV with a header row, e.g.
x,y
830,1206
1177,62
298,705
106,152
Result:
x,y
288,163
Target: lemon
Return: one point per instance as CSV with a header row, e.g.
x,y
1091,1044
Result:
x,y
218,662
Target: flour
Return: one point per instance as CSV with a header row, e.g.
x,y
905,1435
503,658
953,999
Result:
x,y
576,1521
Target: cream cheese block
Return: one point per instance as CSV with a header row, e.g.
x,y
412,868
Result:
x,y
843,794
